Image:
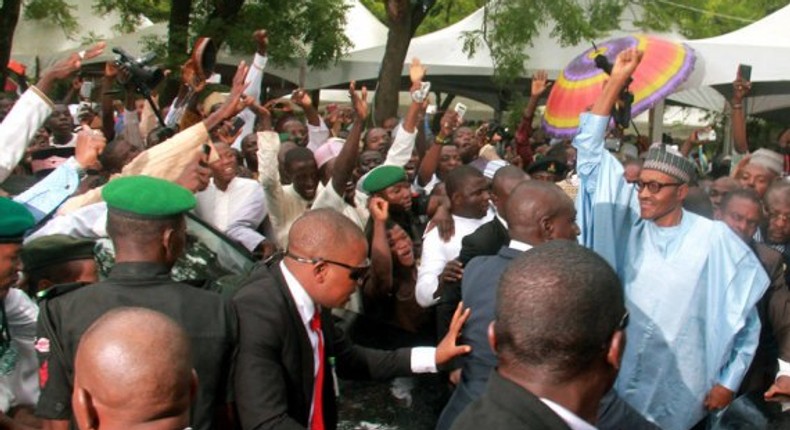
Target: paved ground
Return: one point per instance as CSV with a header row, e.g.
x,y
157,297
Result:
x,y
371,405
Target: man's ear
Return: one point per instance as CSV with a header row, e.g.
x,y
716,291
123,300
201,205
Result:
x,y
84,410
168,242
319,271
614,355
546,227
492,337
193,387
43,284
683,191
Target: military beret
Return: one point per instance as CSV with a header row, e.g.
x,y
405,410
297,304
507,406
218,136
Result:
x,y
147,197
15,220
382,177
48,251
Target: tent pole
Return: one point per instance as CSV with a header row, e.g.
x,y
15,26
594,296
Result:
x,y
656,118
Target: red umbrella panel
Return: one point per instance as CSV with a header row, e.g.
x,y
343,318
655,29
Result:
x,y
665,66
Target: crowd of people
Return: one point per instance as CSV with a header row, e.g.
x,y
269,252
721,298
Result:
x,y
552,284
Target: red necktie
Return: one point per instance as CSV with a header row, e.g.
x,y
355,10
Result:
x,y
318,387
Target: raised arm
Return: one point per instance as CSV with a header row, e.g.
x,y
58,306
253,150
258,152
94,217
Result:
x,y
380,253
253,81
741,88
347,158
33,108
406,135
430,162
539,86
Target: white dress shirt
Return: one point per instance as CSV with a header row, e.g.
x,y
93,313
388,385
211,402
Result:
x,y
237,211
573,421
436,253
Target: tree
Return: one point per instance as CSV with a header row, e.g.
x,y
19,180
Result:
x,y
9,15
511,24
404,18
305,29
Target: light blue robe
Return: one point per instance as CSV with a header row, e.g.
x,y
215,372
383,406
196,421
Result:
x,y
690,289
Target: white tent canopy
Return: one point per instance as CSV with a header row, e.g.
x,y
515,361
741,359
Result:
x,y
764,44
42,39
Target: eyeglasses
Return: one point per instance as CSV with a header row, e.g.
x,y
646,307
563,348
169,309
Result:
x,y
655,187
355,273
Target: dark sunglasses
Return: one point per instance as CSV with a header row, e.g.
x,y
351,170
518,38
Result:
x,y
356,273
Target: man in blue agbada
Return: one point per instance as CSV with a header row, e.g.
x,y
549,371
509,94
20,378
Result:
x,y
691,285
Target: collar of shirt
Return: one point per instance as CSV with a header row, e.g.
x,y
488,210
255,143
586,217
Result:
x,y
502,220
573,421
521,246
304,304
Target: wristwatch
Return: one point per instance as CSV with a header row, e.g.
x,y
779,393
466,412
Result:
x,y
418,96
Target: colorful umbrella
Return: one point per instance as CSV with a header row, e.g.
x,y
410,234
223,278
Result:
x,y
665,65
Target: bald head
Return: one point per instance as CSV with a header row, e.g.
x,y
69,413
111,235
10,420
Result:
x,y
505,180
558,306
133,366
538,211
320,230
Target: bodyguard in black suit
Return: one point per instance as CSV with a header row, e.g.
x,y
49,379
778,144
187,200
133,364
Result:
x,y
537,212
553,366
277,372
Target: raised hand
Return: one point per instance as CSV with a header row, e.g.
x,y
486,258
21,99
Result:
x,y
89,145
540,83
626,63
67,66
235,102
740,89
360,101
416,71
302,98
261,40
379,209
450,122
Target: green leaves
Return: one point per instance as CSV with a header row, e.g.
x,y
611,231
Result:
x,y
57,12
309,29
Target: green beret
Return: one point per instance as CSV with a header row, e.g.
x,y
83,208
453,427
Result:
x,y
382,177
147,197
48,251
15,220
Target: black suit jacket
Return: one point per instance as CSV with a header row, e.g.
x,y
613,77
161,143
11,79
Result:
x,y
506,405
488,239
274,367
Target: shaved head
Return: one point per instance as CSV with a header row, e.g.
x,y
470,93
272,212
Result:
x,y
505,180
133,366
320,230
533,208
324,249
558,306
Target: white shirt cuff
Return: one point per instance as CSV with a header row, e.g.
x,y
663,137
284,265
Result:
x,y
784,368
423,359
259,61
